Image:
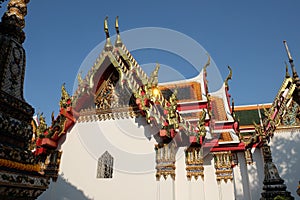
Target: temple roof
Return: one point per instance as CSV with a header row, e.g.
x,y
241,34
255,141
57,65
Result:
x,y
249,114
220,105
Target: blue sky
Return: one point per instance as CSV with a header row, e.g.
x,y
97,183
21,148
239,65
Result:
x,y
247,35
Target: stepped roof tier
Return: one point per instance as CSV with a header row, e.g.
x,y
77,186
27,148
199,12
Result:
x,y
116,87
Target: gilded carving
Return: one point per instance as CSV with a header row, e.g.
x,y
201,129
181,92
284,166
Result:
x,y
290,117
65,99
165,160
194,162
229,76
248,156
223,166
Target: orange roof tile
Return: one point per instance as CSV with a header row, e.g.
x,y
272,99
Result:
x,y
186,92
218,109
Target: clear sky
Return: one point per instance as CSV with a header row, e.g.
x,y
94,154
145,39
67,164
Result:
x,y
247,35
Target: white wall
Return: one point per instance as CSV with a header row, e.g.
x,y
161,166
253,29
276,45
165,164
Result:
x,y
285,147
134,167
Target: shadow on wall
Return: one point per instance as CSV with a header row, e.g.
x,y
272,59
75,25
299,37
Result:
x,y
286,156
256,183
63,190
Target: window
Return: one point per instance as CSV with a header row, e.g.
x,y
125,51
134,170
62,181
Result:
x,y
105,166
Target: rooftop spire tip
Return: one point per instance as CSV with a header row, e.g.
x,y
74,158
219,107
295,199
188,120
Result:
x,y
118,41
108,45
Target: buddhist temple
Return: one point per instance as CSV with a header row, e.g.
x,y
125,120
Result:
x,y
124,135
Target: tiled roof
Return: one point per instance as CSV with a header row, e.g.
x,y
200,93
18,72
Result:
x,y
192,115
186,92
225,137
218,109
247,115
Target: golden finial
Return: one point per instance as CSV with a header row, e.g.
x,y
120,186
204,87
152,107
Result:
x,y
106,27
287,51
229,76
64,96
117,25
17,8
108,45
42,125
118,41
291,61
154,75
64,93
79,78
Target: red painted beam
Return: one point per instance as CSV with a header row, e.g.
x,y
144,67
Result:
x,y
240,147
225,125
192,106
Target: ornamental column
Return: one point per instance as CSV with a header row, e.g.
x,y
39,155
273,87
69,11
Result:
x,y
15,113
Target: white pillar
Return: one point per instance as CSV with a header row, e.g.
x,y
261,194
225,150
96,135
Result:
x,y
185,189
210,182
227,190
241,179
166,189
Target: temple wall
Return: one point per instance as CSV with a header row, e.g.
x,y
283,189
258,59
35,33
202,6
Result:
x,y
256,174
241,179
285,147
248,178
134,167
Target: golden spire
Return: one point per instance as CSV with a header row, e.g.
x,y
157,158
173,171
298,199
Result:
x,y
118,41
108,45
16,12
291,61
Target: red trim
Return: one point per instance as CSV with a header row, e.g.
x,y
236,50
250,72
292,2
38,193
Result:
x,y
85,99
38,142
212,143
40,150
216,125
225,125
47,142
240,147
162,133
192,106
193,139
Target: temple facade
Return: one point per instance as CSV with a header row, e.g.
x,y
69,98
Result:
x,y
172,140
122,134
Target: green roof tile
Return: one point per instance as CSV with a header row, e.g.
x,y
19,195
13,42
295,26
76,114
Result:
x,y
247,117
